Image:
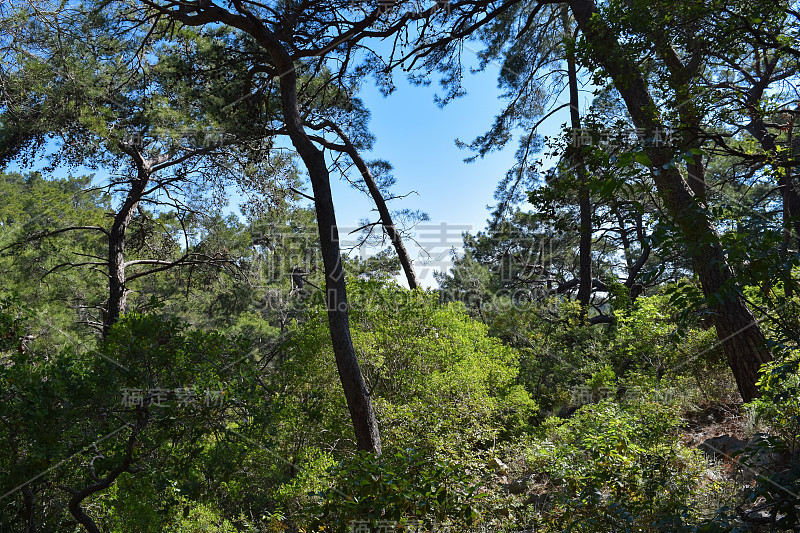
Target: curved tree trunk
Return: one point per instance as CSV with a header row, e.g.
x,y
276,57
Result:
x,y
359,403
355,389
741,337
380,204
101,484
358,398
117,292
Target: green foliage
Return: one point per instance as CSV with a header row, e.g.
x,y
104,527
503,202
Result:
x,y
472,373
441,387
35,263
438,380
779,405
654,336
192,517
313,476
614,467
73,406
600,381
779,408
558,350
401,487
382,266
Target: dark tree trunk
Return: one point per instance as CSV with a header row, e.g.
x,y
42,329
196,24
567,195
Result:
x,y
791,199
355,389
634,267
117,292
383,210
358,398
74,505
742,339
584,200
359,403
585,287
789,195
680,76
30,509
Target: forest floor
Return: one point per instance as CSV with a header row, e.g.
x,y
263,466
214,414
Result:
x,y
715,420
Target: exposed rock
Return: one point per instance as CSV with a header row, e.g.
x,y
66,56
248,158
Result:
x,y
498,466
758,438
722,446
757,455
749,457
539,501
518,486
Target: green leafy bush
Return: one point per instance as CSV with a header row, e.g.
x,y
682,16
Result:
x,y
778,484
408,487
779,404
439,381
614,468
558,351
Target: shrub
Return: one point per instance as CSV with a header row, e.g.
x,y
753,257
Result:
x,y
614,468
408,488
439,381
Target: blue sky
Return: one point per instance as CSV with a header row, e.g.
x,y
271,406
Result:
x,y
417,138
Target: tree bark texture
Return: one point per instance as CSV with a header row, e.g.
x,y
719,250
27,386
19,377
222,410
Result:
x,y
741,337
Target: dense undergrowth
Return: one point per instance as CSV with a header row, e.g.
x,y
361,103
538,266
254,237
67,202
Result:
x,y
530,421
